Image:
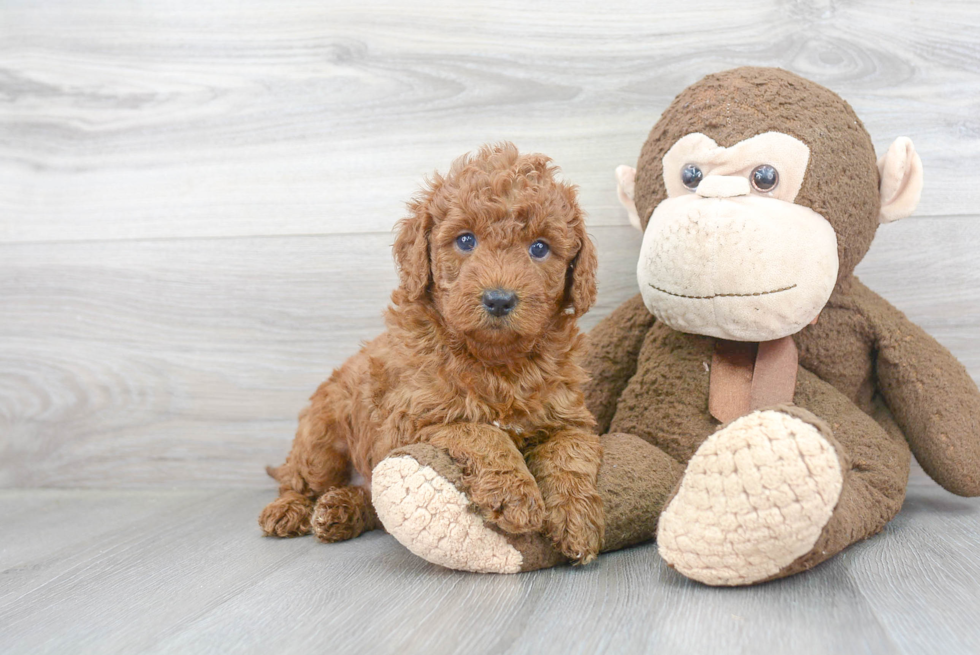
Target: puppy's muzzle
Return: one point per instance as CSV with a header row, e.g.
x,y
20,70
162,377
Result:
x,y
499,302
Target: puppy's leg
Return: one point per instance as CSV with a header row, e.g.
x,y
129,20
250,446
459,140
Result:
x,y
566,467
418,493
494,473
317,462
344,513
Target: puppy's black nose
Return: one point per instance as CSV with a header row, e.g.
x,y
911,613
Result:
x,y
499,302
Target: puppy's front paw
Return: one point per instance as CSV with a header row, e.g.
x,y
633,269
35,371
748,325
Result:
x,y
510,500
340,514
287,516
576,525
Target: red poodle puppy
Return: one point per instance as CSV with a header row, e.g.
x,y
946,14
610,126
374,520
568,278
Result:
x,y
481,359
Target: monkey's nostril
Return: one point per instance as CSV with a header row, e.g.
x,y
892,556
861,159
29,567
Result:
x,y
499,302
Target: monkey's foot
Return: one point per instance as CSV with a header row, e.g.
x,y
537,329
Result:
x,y
755,497
418,503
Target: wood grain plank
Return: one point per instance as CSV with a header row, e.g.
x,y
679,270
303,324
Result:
x,y
192,574
122,591
921,576
200,579
45,529
322,117
628,602
155,363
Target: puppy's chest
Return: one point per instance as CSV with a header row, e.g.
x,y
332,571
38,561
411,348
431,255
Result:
x,y
522,430
517,429
526,417
522,416
524,411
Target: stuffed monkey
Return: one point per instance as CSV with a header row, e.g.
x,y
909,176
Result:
x,y
760,403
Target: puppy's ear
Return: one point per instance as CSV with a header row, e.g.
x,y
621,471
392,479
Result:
x,y
580,285
411,247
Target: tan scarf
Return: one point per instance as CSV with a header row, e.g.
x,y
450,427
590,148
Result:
x,y
746,376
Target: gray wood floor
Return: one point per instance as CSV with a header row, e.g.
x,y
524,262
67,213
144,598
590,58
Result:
x,y
196,201
185,571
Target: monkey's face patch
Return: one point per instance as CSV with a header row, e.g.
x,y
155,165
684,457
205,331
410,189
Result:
x,y
728,253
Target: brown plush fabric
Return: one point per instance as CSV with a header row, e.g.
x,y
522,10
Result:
x,y
611,357
840,349
666,402
864,346
436,458
675,419
860,364
538,552
931,394
734,105
634,482
879,382
875,464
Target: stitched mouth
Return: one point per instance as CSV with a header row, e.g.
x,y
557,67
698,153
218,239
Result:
x,y
724,295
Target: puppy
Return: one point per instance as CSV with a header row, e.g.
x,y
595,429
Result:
x,y
481,359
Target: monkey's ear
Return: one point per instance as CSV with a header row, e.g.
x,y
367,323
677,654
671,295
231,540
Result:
x,y
901,180
625,185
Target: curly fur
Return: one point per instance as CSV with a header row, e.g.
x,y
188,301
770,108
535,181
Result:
x,y
502,395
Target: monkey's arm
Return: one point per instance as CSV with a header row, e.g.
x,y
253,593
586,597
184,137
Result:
x,y
930,393
614,345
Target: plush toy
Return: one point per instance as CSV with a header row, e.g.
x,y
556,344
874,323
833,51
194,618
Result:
x,y
760,401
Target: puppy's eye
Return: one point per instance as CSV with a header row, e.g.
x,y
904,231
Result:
x,y
691,176
466,242
764,178
539,249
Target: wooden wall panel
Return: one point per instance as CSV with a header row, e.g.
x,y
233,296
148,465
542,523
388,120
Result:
x,y
196,198
123,121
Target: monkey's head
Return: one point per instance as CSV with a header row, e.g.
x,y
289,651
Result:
x,y
758,192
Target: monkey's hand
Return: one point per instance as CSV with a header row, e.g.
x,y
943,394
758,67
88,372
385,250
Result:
x,y
930,393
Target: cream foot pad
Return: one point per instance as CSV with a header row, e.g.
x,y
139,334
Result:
x,y
754,498
430,517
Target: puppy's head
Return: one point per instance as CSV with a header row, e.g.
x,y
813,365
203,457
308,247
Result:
x,y
499,247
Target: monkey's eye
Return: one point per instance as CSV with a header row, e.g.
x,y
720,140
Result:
x,y
539,249
764,178
691,176
466,242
